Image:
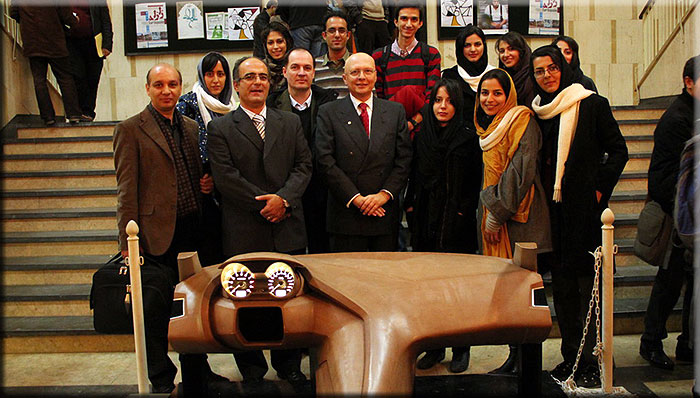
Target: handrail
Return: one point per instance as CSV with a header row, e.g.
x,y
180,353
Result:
x,y
647,7
672,35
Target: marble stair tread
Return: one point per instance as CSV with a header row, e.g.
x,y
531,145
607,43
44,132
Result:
x,y
46,292
633,174
55,263
633,275
60,236
47,326
58,173
638,121
47,140
628,195
640,155
74,155
60,213
20,193
625,307
641,137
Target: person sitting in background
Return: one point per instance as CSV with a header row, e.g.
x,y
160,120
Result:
x,y
569,49
514,57
513,206
330,67
443,190
278,44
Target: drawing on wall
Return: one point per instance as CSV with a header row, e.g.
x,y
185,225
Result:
x,y
240,22
493,16
216,26
151,25
456,13
190,20
544,17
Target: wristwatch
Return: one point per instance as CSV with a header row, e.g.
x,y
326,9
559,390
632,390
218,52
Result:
x,y
286,204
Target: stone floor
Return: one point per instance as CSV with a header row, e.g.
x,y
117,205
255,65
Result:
x,y
88,374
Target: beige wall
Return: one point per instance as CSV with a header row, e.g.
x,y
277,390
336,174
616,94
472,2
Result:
x,y
609,34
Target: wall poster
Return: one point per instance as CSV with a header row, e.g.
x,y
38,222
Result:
x,y
240,22
151,25
456,13
190,20
493,16
544,17
216,26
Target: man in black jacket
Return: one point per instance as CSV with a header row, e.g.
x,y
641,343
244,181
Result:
x,y
303,99
674,129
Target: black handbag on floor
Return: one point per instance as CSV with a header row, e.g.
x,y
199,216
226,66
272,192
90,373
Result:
x,y
110,296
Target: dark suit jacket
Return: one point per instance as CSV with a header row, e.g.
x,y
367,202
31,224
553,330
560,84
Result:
x,y
42,27
146,181
244,167
350,163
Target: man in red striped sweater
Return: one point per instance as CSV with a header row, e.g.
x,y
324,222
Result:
x,y
407,69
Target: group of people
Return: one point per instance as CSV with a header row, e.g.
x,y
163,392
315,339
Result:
x,y
478,157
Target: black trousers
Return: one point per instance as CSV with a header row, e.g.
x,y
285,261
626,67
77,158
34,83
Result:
x,y
664,295
61,69
314,203
86,68
357,243
370,35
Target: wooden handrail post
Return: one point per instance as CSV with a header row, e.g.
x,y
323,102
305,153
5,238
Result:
x,y
608,247
134,263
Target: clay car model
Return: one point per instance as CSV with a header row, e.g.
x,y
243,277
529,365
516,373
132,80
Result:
x,y
365,317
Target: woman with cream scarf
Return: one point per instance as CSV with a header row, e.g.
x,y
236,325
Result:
x,y
578,128
513,206
472,63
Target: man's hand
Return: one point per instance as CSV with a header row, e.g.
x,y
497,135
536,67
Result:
x,y
125,253
106,52
374,202
360,200
206,184
274,210
492,237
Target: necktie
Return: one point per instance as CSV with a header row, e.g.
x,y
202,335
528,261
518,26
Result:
x,y
259,123
364,116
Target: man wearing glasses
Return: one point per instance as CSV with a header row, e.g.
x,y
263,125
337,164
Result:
x,y
364,155
261,165
330,67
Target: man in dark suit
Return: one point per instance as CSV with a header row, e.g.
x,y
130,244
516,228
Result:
x,y
303,99
364,156
160,185
261,165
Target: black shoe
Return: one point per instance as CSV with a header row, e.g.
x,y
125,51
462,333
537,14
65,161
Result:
x,y
511,365
460,360
562,371
431,358
86,118
294,376
50,122
683,352
73,119
588,377
656,357
164,389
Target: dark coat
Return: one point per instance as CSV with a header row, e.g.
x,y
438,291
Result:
x,y
468,94
576,219
243,167
349,163
444,215
319,96
101,22
673,130
43,29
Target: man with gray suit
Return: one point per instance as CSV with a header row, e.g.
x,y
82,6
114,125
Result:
x,y
261,165
364,156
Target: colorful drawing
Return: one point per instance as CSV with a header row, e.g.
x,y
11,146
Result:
x,y
456,13
240,22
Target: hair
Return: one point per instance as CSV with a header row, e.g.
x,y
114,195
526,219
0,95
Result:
x,y
462,36
517,41
281,29
573,45
689,68
237,65
408,4
453,90
313,63
503,80
210,60
335,14
148,74
271,3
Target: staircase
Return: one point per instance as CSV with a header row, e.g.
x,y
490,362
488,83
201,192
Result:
x,y
58,227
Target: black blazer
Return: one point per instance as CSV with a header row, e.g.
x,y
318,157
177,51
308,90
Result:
x,y
244,167
349,163
101,22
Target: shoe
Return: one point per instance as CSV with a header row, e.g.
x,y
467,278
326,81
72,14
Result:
x,y
562,371
294,376
164,389
683,352
50,122
460,360
656,357
431,358
86,118
589,377
73,119
511,365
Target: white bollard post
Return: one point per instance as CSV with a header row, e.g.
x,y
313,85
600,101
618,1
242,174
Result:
x,y
608,242
134,263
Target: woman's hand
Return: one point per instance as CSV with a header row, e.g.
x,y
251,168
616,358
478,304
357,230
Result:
x,y
492,238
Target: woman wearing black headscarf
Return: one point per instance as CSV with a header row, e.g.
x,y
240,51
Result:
x,y
444,190
577,127
472,63
278,44
514,57
569,49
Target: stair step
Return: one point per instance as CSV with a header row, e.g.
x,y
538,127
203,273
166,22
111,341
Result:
x,y
58,145
59,219
60,179
59,243
51,292
18,199
632,181
631,202
80,130
634,113
637,127
59,236
638,161
46,300
57,161
48,270
639,143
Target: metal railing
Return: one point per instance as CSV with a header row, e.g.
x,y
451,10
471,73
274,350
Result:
x,y
662,20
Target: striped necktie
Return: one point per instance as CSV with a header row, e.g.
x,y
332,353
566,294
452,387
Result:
x,y
259,123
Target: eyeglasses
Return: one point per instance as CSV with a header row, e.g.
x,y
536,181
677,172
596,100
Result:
x,y
367,72
333,31
250,77
553,69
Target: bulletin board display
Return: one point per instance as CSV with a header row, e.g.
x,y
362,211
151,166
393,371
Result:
x,y
497,17
171,26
